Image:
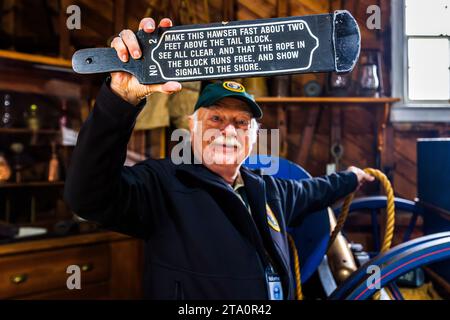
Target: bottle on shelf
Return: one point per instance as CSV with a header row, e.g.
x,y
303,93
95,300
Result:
x,y
63,117
5,169
32,118
53,166
7,115
17,148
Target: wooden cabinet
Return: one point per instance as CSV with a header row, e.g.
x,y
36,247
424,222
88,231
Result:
x,y
111,267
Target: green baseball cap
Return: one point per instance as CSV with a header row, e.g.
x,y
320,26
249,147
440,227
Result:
x,y
217,91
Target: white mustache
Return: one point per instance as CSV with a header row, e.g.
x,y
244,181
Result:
x,y
227,141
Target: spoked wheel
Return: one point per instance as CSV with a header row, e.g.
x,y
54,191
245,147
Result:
x,y
394,263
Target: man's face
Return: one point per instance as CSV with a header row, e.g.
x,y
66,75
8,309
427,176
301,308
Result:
x,y
221,135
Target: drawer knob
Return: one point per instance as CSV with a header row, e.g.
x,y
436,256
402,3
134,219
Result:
x,y
19,278
87,267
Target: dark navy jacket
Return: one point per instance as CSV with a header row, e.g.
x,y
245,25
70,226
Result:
x,y
201,242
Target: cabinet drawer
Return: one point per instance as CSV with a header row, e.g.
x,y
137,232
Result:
x,y
95,291
47,270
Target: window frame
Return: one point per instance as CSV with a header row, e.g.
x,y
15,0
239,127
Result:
x,y
409,110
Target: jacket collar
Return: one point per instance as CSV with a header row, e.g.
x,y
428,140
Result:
x,y
202,174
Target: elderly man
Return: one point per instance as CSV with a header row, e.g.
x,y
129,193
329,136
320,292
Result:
x,y
214,229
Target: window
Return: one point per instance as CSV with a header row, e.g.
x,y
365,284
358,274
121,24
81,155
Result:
x,y
421,58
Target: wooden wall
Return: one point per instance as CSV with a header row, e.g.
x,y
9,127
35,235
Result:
x,y
103,18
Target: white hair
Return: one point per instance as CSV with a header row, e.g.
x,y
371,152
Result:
x,y
253,130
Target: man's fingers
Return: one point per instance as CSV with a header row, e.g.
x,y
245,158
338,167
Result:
x,y
121,49
130,40
171,86
127,42
168,87
165,23
366,176
147,24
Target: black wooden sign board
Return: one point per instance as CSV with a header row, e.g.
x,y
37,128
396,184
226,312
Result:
x,y
266,47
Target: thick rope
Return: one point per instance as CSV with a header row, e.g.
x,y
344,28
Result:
x,y
298,282
388,234
390,211
341,219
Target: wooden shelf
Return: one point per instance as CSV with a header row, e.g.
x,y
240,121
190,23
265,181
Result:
x,y
34,184
328,100
61,242
37,59
29,131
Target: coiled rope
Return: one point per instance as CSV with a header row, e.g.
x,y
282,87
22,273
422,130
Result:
x,y
388,233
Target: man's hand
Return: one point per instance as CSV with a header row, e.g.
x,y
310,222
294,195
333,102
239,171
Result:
x,y
125,84
361,175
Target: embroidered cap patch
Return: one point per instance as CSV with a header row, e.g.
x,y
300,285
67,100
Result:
x,y
233,86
